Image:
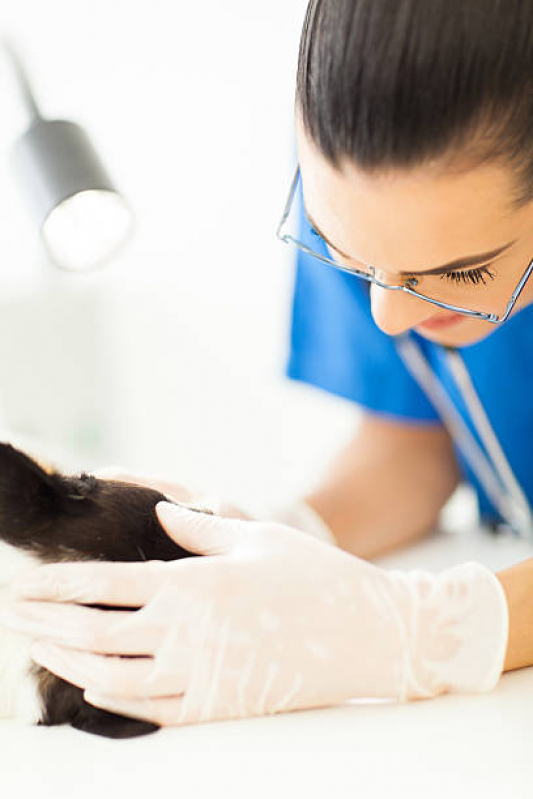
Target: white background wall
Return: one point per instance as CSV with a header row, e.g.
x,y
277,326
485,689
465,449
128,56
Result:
x,y
171,360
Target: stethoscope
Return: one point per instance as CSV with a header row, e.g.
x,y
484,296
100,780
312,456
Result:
x,y
493,472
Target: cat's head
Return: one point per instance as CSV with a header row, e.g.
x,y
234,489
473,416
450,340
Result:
x,y
48,517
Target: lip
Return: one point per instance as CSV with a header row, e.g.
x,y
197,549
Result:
x,y
438,322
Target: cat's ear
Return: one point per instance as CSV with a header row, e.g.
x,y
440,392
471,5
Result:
x,y
24,484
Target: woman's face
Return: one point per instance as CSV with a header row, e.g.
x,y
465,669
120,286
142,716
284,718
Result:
x,y
418,220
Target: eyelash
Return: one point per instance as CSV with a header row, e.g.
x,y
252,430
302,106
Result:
x,y
473,276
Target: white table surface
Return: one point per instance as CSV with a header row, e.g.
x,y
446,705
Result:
x,y
451,746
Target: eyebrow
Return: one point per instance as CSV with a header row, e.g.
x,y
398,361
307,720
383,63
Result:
x,y
471,260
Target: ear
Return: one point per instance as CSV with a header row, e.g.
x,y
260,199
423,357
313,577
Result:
x,y
27,490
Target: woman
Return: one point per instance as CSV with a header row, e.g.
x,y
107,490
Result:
x,y
413,125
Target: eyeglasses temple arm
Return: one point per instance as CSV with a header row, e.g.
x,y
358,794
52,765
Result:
x,y
516,293
288,204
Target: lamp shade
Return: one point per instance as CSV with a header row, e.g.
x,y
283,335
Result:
x,y
83,219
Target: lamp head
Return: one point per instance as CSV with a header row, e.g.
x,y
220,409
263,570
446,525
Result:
x,y
82,218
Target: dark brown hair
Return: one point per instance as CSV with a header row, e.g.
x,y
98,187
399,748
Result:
x,y
396,83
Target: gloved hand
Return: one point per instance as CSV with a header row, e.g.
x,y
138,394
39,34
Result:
x,y
270,620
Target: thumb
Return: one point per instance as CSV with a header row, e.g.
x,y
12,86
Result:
x,y
197,531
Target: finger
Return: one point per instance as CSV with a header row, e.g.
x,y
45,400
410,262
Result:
x,y
112,473
171,711
103,631
122,678
173,491
224,508
93,582
199,532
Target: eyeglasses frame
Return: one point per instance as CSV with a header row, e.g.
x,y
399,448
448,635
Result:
x,y
489,317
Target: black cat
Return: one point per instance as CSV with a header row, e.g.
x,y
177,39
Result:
x,y
48,517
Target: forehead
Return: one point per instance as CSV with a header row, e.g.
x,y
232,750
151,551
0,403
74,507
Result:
x,y
403,218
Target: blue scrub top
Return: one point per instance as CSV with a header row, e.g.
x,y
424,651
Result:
x,y
336,345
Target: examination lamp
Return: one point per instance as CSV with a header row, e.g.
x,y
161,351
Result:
x,y
83,220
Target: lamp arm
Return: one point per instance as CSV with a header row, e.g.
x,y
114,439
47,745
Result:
x,y
22,79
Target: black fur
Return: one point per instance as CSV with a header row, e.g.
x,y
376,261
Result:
x,y
61,518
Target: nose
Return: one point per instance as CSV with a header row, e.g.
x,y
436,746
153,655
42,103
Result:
x,y
394,312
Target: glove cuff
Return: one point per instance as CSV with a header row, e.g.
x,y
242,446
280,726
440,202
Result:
x,y
460,640
479,665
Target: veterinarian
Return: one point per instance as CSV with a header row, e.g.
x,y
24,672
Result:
x,y
413,299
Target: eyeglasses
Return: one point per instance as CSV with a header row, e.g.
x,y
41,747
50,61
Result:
x,y
481,286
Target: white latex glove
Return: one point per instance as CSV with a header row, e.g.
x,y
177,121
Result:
x,y
270,620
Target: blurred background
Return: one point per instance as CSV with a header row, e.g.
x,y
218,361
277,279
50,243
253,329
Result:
x,y
170,360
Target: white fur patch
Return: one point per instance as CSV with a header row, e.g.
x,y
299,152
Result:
x,y
19,694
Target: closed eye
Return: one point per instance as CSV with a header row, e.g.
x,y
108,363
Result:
x,y
472,276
